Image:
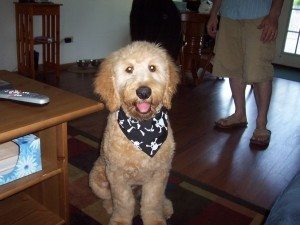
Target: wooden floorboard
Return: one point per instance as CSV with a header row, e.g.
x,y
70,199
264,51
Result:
x,y
222,160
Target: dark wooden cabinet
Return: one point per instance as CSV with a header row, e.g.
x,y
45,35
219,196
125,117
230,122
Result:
x,y
197,50
49,38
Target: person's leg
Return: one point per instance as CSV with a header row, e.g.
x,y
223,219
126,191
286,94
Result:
x,y
258,71
238,93
238,118
228,62
262,93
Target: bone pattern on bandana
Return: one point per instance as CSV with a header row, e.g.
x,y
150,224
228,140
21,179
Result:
x,y
147,135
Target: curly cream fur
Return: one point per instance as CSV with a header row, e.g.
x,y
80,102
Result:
x,y
121,166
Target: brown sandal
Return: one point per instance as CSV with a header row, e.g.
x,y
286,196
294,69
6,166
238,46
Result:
x,y
230,122
261,137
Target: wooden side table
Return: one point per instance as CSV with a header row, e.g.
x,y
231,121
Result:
x,y
40,198
50,40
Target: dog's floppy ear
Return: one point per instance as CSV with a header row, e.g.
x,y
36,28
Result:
x,y
171,83
105,86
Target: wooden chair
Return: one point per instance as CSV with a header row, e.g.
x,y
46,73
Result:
x,y
196,51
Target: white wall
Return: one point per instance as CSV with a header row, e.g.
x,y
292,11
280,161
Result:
x,y
8,52
97,27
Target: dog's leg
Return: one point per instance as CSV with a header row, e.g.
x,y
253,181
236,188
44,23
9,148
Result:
x,y
98,180
123,199
108,205
168,208
154,207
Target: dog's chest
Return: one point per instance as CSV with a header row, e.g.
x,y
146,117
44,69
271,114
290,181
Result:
x,y
122,155
138,172
147,136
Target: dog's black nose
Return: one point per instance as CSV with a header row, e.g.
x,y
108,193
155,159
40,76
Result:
x,y
143,92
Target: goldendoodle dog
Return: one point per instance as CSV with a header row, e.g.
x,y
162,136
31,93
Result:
x,y
136,84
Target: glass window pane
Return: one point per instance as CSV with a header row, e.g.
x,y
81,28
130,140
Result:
x,y
296,4
291,42
294,21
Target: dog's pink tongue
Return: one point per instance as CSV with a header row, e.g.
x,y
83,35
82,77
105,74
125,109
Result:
x,y
143,107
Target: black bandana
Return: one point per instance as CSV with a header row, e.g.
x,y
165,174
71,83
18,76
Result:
x,y
147,135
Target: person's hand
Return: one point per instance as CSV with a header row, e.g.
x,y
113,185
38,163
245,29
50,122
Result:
x,y
212,26
269,27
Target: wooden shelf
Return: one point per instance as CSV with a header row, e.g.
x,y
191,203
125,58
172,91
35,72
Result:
x,y
50,26
40,198
21,184
26,212
43,40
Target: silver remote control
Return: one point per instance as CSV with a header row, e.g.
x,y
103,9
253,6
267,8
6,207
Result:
x,y
24,96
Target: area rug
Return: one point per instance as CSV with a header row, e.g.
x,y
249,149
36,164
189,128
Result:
x,y
193,205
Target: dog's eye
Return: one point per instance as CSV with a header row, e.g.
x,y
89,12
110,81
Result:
x,y
129,69
152,68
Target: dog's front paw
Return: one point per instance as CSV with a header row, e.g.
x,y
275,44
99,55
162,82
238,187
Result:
x,y
153,219
157,223
160,223
118,222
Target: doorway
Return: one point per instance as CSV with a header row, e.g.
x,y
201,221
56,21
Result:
x,y
288,41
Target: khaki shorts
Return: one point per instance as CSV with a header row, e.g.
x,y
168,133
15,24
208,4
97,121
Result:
x,y
241,54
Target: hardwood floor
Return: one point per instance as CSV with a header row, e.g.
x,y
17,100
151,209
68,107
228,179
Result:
x,y
223,160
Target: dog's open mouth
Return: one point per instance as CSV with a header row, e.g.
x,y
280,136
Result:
x,y
143,107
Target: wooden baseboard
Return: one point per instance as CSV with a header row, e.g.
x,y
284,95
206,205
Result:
x,y
284,66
